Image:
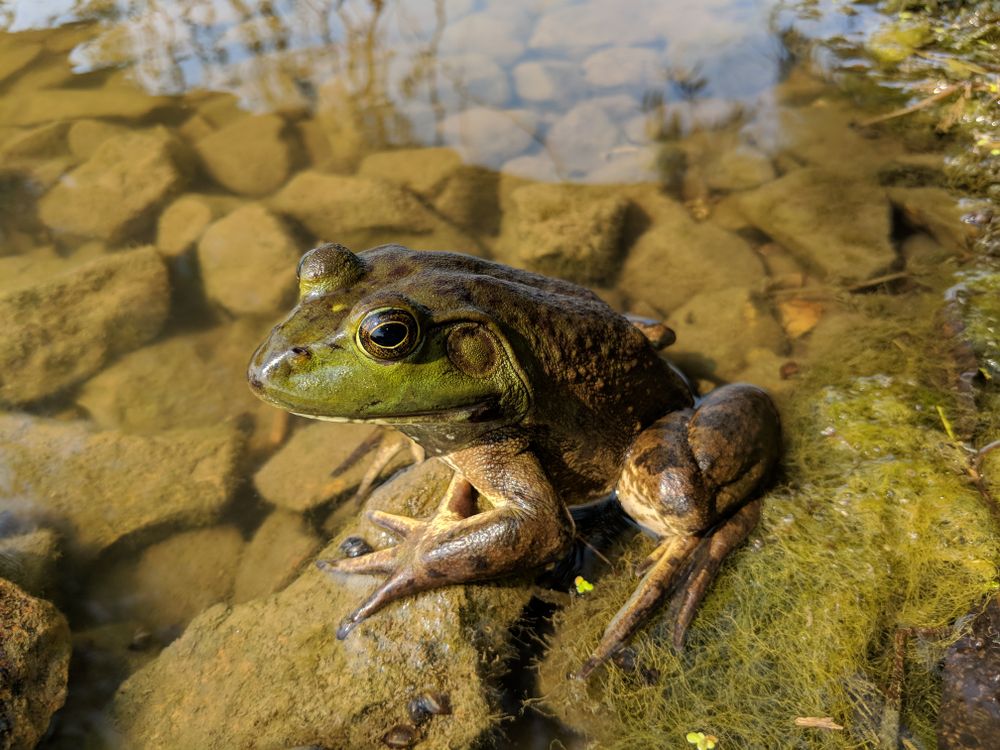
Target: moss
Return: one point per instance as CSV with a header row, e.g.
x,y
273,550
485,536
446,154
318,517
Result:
x,y
875,527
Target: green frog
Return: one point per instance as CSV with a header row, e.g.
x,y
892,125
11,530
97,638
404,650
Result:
x,y
539,396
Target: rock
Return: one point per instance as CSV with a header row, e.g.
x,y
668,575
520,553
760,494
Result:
x,y
43,141
936,211
472,79
581,139
53,105
34,664
489,137
281,546
422,170
836,226
320,691
312,468
183,575
14,58
622,66
538,167
181,225
484,33
64,328
710,257
361,213
225,155
336,139
923,252
969,718
86,136
469,199
549,82
568,231
914,170
29,559
100,487
705,324
186,381
740,169
587,25
116,192
248,262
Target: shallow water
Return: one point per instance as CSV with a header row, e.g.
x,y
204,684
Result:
x,y
750,209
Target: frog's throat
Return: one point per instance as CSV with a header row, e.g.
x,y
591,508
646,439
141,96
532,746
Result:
x,y
477,413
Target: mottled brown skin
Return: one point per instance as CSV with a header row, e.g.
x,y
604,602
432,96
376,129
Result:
x,y
538,395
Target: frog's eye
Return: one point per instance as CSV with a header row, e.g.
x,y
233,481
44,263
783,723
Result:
x,y
389,334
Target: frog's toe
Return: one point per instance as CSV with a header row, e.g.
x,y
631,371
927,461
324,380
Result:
x,y
380,562
401,525
401,583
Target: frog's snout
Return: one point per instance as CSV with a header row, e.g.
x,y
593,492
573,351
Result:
x,y
272,364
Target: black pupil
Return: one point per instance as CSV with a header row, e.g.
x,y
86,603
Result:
x,y
390,335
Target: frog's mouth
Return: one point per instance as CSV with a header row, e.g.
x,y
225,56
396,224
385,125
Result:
x,y
487,410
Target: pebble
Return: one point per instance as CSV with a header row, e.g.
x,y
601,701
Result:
x,y
226,155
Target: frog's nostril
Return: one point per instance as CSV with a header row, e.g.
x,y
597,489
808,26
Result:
x,y
301,351
256,384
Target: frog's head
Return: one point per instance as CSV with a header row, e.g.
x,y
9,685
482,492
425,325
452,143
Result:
x,y
379,337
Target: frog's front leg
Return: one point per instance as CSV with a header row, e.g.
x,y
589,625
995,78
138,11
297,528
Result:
x,y
690,478
526,526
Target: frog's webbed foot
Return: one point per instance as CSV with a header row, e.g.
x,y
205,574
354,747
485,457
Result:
x,y
682,566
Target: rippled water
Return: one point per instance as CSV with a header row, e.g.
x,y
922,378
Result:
x,y
230,136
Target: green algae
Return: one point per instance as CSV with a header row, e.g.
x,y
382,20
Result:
x,y
875,527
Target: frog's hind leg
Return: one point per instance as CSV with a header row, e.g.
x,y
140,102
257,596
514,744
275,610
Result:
x,y
690,478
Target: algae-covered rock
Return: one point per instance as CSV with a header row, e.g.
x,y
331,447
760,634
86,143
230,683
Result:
x,y
271,673
318,464
248,261
101,486
569,231
361,213
117,191
248,156
63,328
836,226
936,211
279,549
876,528
34,661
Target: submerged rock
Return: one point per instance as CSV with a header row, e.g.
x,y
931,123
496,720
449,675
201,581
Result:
x,y
568,231
318,464
837,226
181,225
935,210
34,663
116,192
63,328
271,673
101,486
225,155
487,136
278,551
248,261
32,107
28,559
361,213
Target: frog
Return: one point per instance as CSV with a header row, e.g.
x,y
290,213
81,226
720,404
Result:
x,y
541,398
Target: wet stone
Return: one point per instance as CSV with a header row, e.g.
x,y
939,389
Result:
x,y
282,545
225,155
548,81
581,139
117,191
62,329
487,136
485,33
472,78
739,169
34,663
85,136
33,107
312,467
98,487
587,25
321,691
568,231
247,261
935,210
836,226
14,58
422,170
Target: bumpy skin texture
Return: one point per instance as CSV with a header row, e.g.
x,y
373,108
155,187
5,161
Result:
x,y
539,395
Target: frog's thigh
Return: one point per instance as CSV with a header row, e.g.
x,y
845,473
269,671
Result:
x,y
692,468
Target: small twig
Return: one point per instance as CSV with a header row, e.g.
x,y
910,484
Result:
x,y
922,104
817,722
593,549
869,283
